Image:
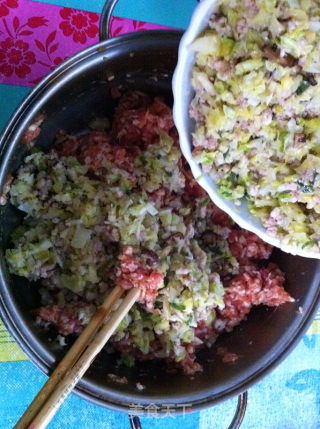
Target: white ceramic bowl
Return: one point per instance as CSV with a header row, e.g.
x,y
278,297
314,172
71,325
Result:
x,y
183,94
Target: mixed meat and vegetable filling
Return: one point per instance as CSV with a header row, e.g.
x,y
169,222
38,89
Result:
x,y
257,112
120,206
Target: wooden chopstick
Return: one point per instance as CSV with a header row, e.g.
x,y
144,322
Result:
x,y
65,386
70,358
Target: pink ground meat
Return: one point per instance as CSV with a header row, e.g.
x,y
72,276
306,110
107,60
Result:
x,y
95,148
189,365
246,245
131,273
218,217
33,130
139,124
65,319
227,357
254,287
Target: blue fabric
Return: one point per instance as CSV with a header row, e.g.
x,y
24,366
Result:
x,y
173,13
10,97
288,398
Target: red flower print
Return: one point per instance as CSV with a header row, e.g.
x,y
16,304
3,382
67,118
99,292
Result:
x,y
15,58
5,5
36,21
117,26
122,26
58,61
78,24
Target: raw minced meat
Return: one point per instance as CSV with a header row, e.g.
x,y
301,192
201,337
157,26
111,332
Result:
x,y
121,207
227,356
245,245
131,273
137,121
253,287
65,319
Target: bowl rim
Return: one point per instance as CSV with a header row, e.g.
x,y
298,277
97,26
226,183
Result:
x,y
181,84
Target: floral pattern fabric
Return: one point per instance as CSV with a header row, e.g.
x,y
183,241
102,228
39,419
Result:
x,y
15,58
6,5
36,37
78,24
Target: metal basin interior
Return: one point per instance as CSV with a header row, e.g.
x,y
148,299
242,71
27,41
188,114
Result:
x,y
70,97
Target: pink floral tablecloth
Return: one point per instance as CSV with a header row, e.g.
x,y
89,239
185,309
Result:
x,y
36,37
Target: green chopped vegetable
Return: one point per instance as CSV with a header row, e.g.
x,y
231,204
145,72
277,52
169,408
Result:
x,y
302,87
248,66
310,243
256,109
176,306
283,135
